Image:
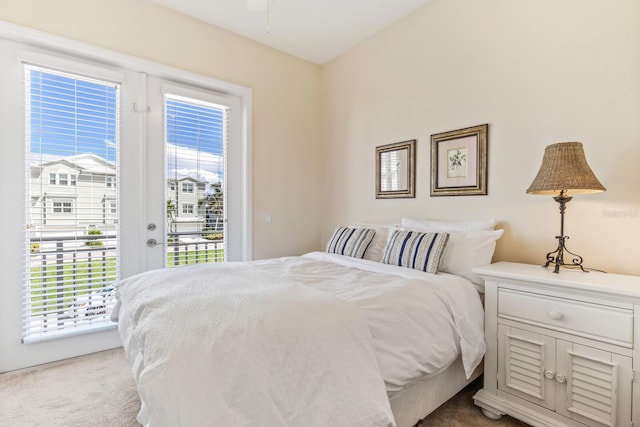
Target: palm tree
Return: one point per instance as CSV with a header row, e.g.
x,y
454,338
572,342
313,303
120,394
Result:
x,y
213,205
171,216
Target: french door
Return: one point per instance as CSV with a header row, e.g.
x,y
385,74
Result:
x,y
124,171
195,214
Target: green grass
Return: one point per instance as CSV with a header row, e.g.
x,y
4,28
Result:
x,y
97,274
194,257
84,277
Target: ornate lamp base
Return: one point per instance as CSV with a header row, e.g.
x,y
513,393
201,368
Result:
x,y
557,257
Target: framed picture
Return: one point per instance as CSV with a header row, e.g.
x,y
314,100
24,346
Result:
x,y
459,162
395,170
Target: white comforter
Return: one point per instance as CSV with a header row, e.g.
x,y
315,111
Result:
x,y
247,344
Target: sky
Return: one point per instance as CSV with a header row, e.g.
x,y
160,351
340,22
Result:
x,y
71,115
194,133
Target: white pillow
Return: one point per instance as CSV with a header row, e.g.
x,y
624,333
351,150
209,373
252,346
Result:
x,y
375,251
468,250
465,249
488,224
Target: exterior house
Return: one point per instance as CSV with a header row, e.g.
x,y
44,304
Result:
x,y
183,207
80,192
72,192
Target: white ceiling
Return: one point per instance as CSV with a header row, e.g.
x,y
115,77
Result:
x,y
315,30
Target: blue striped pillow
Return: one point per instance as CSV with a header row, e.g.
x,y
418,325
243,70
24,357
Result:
x,y
350,241
413,249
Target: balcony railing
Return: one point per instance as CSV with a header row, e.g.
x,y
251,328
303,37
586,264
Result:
x,y
71,278
189,247
70,282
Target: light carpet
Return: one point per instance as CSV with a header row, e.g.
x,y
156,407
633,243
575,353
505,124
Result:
x,y
98,390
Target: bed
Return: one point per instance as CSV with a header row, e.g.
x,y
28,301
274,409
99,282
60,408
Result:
x,y
326,338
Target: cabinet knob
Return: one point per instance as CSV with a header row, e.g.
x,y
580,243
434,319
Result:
x,y
561,379
549,374
555,315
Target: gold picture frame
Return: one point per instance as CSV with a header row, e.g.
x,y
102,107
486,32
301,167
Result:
x,y
459,162
395,170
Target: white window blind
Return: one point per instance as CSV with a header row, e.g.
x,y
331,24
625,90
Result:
x,y
196,138
72,222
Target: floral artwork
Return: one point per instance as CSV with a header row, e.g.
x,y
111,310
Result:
x,y
457,162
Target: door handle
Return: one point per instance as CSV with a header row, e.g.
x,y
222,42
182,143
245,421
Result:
x,y
153,243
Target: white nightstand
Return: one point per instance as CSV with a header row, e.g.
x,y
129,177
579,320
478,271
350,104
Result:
x,y
562,349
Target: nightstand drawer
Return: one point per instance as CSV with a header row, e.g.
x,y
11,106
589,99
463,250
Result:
x,y
601,322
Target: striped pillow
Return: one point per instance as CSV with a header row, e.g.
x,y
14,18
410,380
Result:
x,y
413,249
350,241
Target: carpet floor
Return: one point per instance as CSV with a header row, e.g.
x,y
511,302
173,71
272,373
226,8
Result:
x,y
98,390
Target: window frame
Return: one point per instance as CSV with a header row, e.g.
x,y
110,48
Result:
x,y
55,178
188,208
61,201
187,188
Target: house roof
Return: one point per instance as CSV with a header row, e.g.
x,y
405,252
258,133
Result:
x,y
84,163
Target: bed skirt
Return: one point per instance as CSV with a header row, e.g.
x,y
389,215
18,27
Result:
x,y
418,399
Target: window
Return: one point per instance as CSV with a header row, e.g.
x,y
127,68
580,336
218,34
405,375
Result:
x,y
187,208
187,187
111,182
172,186
196,142
70,119
62,179
62,206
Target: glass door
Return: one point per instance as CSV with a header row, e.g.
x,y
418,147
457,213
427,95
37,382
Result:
x,y
72,136
190,162
195,142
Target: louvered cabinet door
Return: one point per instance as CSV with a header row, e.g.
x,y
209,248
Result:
x,y
598,385
526,363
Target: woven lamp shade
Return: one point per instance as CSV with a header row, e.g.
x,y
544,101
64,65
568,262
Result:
x,y
565,168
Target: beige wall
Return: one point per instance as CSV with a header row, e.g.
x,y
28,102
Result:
x,y
539,72
286,129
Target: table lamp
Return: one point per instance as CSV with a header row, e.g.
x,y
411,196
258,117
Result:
x,y
564,172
